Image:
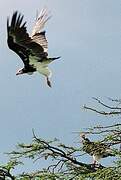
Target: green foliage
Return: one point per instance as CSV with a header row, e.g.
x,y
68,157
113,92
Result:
x,y
65,165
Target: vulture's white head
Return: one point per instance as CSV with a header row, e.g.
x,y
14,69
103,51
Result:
x,y
23,71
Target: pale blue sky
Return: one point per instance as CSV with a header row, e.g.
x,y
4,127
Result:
x,y
87,35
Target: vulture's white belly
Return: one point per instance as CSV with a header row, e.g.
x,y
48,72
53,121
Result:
x,y
42,67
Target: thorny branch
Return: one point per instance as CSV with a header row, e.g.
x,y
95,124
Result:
x,y
113,110
61,153
105,105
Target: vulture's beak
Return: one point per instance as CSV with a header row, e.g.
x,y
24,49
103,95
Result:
x,y
19,72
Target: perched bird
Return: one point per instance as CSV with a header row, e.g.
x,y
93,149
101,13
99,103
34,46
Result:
x,y
97,150
32,49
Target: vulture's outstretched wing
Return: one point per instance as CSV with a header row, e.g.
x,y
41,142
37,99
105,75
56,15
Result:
x,y
17,35
40,39
38,35
40,22
20,41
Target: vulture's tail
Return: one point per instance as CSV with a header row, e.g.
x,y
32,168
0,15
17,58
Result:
x,y
52,59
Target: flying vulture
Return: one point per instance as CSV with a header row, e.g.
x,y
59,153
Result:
x,y
97,150
32,49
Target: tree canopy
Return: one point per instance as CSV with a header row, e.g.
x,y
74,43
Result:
x,y
66,162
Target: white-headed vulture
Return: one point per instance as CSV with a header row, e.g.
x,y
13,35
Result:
x,y
32,49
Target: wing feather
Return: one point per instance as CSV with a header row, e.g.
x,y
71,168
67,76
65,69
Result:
x,y
38,35
16,32
40,22
40,39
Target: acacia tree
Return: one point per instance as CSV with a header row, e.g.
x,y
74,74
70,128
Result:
x,y
67,161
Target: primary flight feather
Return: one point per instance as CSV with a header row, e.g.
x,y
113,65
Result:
x,y
32,49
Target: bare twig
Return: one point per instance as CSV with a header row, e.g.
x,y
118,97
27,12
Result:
x,y
102,112
105,105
